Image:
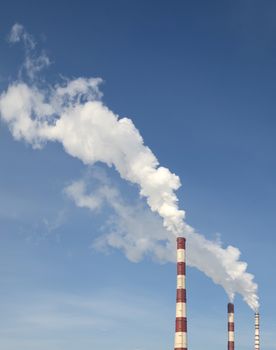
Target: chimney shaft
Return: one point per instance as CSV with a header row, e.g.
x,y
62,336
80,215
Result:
x,y
257,331
180,342
231,327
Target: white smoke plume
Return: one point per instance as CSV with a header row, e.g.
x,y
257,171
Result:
x,y
138,232
73,114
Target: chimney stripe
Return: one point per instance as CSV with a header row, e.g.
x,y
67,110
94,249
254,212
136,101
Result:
x,y
180,340
181,243
180,309
181,324
181,268
181,282
231,327
181,295
231,317
230,345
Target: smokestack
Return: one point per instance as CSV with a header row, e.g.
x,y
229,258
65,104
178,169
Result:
x,y
231,338
257,331
180,342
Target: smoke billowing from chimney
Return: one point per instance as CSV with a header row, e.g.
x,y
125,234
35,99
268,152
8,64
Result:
x,y
73,114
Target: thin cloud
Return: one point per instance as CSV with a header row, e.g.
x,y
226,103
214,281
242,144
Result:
x,y
34,62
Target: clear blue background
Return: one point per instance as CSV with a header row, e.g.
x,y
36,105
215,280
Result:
x,y
198,80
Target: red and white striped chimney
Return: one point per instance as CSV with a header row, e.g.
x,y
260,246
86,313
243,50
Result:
x,y
180,341
257,331
231,327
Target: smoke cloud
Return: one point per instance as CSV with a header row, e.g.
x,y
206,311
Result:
x,y
135,230
73,114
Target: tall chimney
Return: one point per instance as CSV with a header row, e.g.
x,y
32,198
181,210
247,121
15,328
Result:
x,y
257,331
180,342
231,339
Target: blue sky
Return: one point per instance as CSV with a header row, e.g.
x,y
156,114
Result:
x,y
198,80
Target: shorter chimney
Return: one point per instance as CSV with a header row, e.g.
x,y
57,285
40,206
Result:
x,y
180,342
257,331
231,338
